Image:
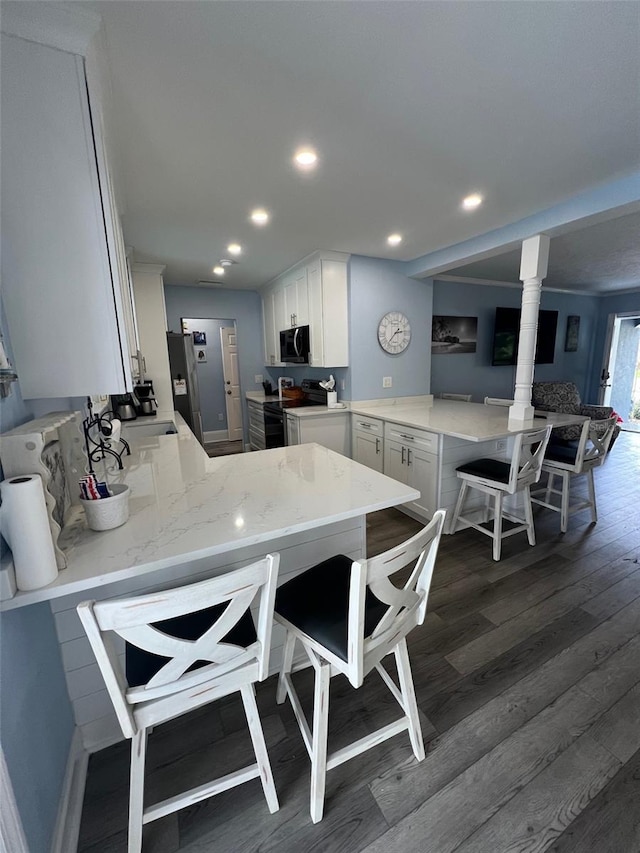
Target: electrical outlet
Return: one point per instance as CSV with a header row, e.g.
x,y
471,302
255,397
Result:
x,y
258,378
220,416
501,444
387,381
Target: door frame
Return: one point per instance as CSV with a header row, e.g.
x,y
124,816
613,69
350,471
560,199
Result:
x,y
610,343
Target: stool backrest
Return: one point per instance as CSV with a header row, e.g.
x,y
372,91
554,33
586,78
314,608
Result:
x,y
593,444
528,456
133,618
600,436
406,606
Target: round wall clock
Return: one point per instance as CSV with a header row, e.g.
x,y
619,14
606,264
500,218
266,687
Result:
x,y
394,332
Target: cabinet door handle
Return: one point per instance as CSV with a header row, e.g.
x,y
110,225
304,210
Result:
x,y
365,426
377,445
408,437
403,452
408,456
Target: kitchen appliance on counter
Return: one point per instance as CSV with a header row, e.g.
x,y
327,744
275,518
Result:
x,y
184,381
124,406
311,395
146,403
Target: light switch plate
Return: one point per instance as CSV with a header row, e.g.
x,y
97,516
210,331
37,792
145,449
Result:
x,y
387,381
258,378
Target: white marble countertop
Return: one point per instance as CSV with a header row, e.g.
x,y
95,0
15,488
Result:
x,y
184,505
469,421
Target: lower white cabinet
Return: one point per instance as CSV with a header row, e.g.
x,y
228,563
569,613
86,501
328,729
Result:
x,y
257,436
330,431
367,441
412,457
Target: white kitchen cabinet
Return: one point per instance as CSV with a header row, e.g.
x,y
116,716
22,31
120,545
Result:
x,y
412,457
329,430
328,311
367,441
63,259
313,293
148,287
271,334
257,436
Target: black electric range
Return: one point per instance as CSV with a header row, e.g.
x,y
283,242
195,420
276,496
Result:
x,y
274,411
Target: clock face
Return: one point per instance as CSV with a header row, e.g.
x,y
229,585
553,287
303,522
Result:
x,y
394,333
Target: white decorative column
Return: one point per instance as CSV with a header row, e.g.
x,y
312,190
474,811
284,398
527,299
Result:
x,y
533,269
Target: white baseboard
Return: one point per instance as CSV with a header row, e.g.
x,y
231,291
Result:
x,y
215,435
65,836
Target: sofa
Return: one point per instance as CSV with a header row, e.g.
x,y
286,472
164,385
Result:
x,y
564,397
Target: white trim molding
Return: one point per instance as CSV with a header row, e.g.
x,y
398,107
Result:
x,y
70,29
67,829
12,837
215,435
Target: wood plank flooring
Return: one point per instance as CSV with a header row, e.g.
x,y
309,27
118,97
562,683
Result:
x,y
527,674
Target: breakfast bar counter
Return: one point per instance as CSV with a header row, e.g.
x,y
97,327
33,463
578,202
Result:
x,y
193,517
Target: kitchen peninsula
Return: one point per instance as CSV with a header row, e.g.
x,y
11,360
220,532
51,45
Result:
x,y
421,441
193,517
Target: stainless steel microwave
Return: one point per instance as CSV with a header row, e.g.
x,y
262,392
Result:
x,y
294,345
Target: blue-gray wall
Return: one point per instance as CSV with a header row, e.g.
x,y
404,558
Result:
x,y
376,287
36,720
210,373
473,373
243,306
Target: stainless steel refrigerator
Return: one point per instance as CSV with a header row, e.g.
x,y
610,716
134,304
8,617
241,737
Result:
x,y
184,381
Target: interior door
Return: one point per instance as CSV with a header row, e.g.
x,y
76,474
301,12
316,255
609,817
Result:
x,y
231,377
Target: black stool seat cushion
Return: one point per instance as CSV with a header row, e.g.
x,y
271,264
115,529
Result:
x,y
317,602
561,453
141,666
489,469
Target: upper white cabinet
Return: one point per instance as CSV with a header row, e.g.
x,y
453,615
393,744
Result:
x,y
313,293
64,270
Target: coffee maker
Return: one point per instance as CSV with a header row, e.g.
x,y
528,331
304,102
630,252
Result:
x,y
124,407
146,403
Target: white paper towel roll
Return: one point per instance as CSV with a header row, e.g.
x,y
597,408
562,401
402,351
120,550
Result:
x,y
24,523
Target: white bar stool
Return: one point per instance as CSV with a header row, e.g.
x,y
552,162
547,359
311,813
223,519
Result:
x,y
185,648
569,461
497,479
348,617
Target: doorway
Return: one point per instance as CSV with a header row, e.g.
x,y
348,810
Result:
x,y
216,352
620,378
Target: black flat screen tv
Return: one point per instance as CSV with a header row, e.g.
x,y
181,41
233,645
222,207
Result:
x,y
507,332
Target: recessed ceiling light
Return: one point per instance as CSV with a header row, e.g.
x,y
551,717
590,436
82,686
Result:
x,y
472,201
234,249
218,270
226,262
394,239
305,158
259,216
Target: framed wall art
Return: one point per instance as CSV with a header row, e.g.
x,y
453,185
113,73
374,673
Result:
x,y
573,333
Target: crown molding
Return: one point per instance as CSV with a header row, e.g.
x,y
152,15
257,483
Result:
x,y
54,24
152,269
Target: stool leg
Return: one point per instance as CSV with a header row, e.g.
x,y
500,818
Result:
x,y
497,527
564,506
287,660
409,696
259,746
459,504
136,790
528,514
319,746
592,495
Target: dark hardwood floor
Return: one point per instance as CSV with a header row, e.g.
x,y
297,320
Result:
x,y
527,674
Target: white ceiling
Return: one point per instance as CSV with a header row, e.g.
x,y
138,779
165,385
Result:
x,y
411,105
599,258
